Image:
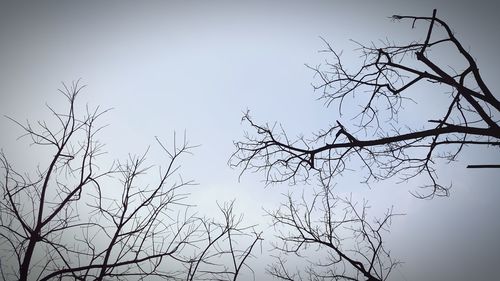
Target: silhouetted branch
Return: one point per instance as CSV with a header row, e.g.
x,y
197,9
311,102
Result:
x,y
380,86
220,258
71,220
332,237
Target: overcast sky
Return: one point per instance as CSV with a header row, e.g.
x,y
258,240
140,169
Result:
x,y
169,66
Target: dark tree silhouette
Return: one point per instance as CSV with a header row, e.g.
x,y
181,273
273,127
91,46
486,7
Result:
x,y
332,237
75,220
219,258
381,86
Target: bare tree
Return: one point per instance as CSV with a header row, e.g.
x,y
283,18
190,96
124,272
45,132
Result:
x,y
72,221
382,86
220,258
332,237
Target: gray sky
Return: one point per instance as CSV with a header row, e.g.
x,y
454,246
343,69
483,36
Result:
x,y
197,65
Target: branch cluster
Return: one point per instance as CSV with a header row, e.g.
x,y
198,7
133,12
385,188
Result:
x,y
332,237
75,220
381,85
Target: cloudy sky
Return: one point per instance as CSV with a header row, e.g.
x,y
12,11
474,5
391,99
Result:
x,y
195,66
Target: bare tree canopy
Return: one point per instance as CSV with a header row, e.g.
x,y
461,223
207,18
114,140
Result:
x,y
333,237
385,146
76,220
